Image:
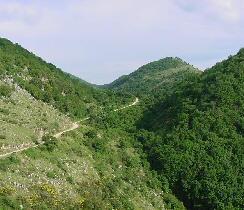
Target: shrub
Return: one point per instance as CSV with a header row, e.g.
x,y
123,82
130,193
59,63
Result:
x,y
6,90
50,142
91,134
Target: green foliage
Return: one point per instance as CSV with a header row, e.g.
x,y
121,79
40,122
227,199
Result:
x,y
31,152
90,168
91,133
48,83
172,202
6,90
50,142
14,158
155,79
109,178
182,143
194,137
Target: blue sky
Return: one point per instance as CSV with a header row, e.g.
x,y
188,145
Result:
x,y
100,40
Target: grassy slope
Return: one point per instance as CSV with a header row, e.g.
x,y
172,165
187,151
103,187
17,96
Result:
x,y
82,172
24,119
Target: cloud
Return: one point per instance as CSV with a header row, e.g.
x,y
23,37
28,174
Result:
x,y
13,11
227,10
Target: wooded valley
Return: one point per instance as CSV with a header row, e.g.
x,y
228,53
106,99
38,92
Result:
x,y
180,147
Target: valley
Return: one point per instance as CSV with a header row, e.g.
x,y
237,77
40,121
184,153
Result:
x,y
166,136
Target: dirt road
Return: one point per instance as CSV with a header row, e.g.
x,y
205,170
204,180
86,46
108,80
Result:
x,y
74,126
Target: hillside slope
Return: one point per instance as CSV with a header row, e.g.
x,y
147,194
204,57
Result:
x,y
47,83
86,168
24,120
154,78
94,166
194,138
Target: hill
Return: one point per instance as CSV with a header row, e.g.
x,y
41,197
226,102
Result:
x,y
96,166
155,78
46,82
184,137
194,138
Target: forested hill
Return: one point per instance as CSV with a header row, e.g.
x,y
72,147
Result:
x,y
154,78
194,138
50,84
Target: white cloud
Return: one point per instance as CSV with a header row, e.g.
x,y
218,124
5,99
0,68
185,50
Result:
x,y
225,10
228,10
21,13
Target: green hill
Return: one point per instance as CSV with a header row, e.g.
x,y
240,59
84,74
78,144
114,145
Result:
x,y
155,78
183,142
194,138
47,83
96,166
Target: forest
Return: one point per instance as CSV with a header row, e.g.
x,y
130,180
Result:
x,y
194,137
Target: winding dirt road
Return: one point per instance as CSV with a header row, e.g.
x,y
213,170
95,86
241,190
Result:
x,y
74,126
134,103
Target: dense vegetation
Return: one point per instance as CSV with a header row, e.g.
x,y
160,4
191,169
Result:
x,y
88,168
193,135
48,83
155,78
194,138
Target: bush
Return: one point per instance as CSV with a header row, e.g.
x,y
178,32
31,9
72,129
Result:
x,y
31,152
172,202
91,134
13,158
6,90
50,142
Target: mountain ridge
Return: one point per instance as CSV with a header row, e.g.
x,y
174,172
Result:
x,y
152,77
46,82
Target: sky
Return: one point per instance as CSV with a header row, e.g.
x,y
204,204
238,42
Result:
x,y
101,40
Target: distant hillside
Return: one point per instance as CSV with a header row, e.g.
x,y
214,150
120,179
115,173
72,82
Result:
x,y
154,78
194,138
46,82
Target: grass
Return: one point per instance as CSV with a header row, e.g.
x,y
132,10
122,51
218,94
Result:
x,y
23,119
75,171
101,171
